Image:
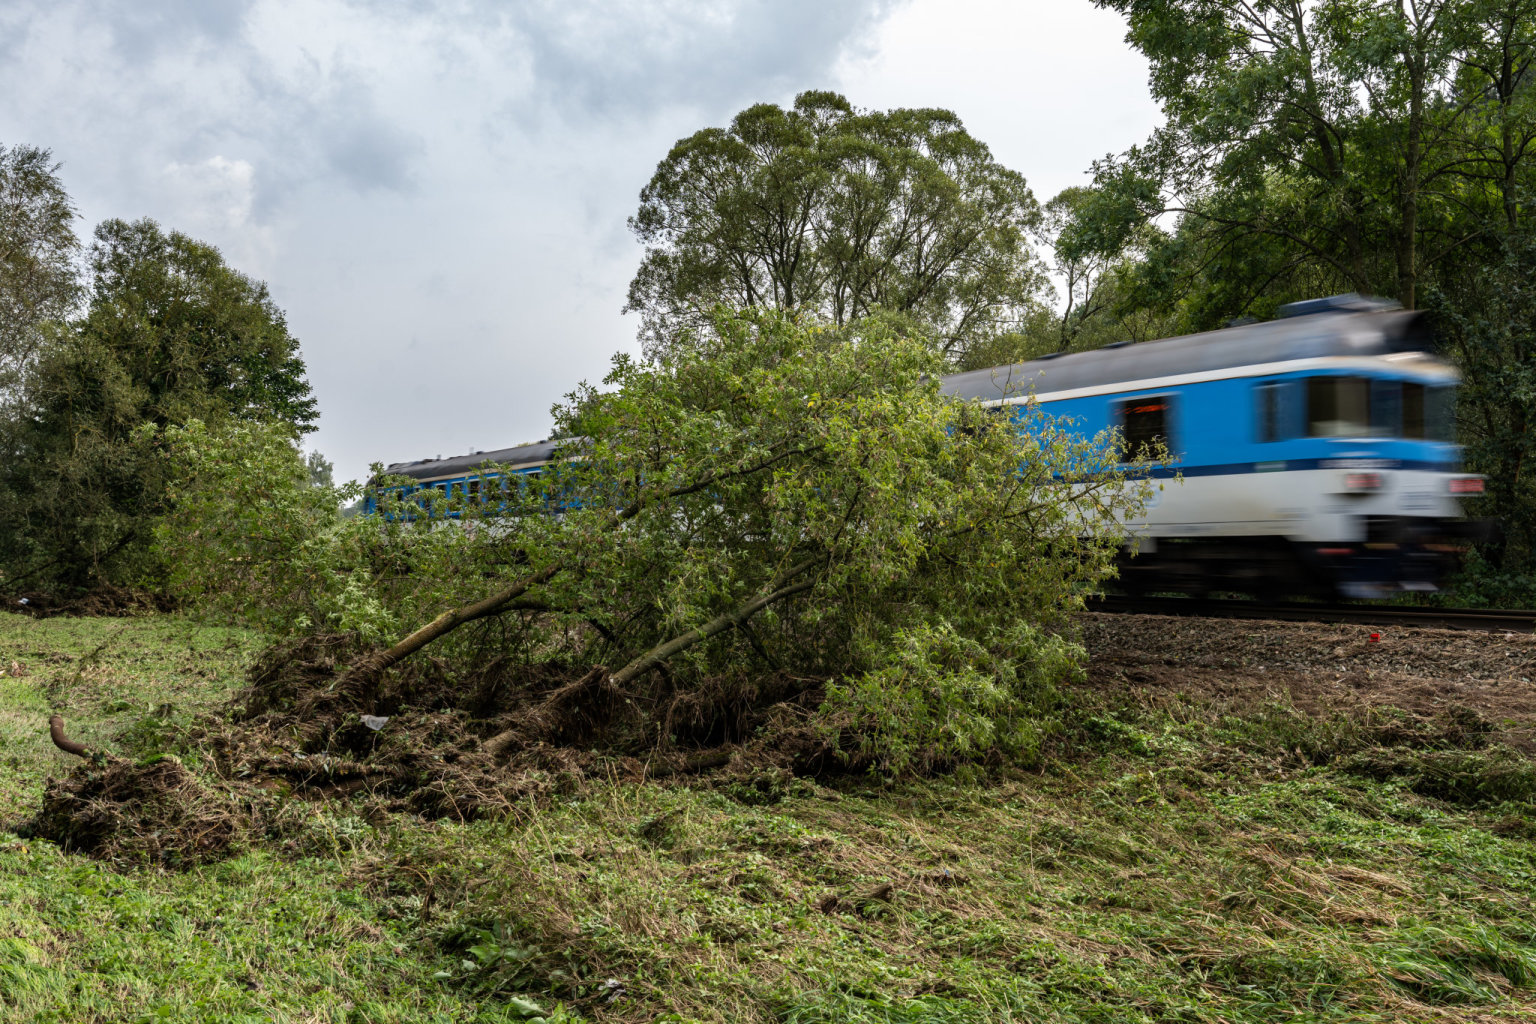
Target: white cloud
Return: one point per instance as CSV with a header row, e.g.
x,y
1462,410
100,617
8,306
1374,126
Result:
x,y
217,192
214,199
436,190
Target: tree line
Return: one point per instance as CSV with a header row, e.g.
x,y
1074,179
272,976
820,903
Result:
x,y
1309,147
101,344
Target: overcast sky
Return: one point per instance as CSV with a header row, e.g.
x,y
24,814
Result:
x,y
436,192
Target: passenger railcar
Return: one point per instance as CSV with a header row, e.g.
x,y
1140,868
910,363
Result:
x,y
1315,451
463,476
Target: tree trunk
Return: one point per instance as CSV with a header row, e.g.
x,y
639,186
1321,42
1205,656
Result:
x,y
719,624
1413,156
1333,151
448,622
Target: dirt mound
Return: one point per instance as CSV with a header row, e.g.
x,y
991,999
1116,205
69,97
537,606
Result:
x,y
151,813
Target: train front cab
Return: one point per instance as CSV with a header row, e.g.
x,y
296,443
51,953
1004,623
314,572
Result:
x,y
1380,442
1334,481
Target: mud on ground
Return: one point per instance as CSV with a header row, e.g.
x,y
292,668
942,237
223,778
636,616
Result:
x,y
1236,667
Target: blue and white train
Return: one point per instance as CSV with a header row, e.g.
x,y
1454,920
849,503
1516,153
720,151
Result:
x,y
1315,450
1314,453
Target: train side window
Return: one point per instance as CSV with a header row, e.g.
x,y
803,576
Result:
x,y
1144,423
1278,415
1268,400
1414,423
1338,407
474,489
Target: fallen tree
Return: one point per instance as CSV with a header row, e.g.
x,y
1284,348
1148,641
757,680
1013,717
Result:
x,y
788,500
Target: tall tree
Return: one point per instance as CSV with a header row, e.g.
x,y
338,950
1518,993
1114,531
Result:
x,y
171,334
38,250
1307,144
839,211
1093,266
1488,317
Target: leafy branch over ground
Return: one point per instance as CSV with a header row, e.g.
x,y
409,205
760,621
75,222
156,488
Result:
x,y
786,506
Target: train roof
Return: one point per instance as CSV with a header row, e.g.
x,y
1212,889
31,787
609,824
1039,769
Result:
x,y
535,454
1345,325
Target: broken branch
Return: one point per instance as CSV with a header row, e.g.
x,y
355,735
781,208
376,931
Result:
x,y
63,742
719,624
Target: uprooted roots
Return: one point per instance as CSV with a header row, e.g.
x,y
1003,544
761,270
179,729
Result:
x,y
432,738
422,738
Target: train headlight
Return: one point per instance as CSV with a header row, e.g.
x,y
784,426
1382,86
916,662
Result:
x,y
1362,481
1465,485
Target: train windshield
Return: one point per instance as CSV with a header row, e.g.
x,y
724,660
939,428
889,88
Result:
x,y
1339,407
1427,412
1365,407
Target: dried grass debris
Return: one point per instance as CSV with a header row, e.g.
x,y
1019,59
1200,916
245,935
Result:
x,y
152,813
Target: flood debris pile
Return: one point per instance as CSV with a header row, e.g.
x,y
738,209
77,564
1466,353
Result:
x,y
152,813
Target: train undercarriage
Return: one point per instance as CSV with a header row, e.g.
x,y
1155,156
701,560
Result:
x,y
1397,555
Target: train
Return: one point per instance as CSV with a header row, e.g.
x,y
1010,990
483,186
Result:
x,y
1308,455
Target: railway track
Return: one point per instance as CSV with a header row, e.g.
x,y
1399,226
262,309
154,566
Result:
x,y
1488,620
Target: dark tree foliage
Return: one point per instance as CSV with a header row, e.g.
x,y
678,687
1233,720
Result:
x,y
171,333
1488,317
1342,145
188,335
840,212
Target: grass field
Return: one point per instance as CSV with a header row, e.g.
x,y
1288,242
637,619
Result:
x,y
1177,862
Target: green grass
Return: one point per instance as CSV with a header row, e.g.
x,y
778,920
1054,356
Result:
x,y
283,936
1202,869
106,677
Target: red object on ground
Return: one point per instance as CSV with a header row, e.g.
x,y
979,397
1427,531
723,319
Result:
x,y
1375,638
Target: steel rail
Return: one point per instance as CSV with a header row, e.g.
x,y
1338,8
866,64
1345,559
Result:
x,y
1487,620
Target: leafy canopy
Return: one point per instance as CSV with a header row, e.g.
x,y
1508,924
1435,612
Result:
x,y
171,334
1317,147
839,212
781,504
